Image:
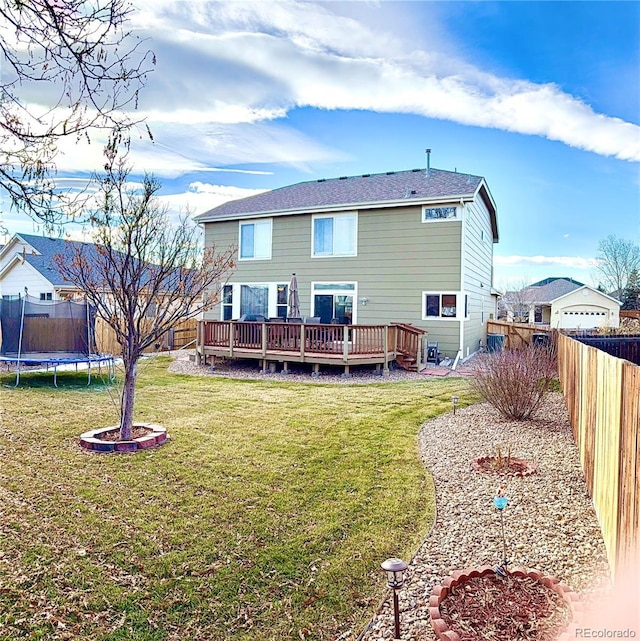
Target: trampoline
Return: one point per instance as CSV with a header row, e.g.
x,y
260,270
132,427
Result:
x,y
49,334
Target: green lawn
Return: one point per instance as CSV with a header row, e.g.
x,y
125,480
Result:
x,y
265,517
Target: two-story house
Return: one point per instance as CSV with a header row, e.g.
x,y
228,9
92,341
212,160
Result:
x,y
410,246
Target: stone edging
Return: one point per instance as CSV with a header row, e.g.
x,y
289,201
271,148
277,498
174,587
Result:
x,y
439,593
90,440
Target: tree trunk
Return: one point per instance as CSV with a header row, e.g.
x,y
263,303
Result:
x,y
128,398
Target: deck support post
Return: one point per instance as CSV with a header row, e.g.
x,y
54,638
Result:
x,y
345,343
199,342
264,339
316,370
385,349
285,368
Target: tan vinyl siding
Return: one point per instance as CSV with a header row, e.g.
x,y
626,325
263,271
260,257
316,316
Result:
x,y
398,258
477,275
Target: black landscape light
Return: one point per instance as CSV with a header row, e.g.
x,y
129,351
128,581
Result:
x,y
395,580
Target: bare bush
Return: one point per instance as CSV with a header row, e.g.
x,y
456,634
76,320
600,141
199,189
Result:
x,y
515,381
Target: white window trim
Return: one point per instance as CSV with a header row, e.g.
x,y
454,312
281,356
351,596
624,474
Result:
x,y
253,221
459,305
340,292
457,218
354,215
272,297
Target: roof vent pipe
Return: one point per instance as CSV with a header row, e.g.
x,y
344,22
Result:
x,y
428,152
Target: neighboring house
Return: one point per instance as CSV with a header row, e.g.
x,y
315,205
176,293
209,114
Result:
x,y
27,261
408,246
562,303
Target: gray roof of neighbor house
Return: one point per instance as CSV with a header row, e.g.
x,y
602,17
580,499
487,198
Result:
x,y
393,188
47,248
552,289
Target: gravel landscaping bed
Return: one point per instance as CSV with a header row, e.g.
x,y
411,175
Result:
x,y
550,523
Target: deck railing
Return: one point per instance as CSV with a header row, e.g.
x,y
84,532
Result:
x,y
294,337
332,341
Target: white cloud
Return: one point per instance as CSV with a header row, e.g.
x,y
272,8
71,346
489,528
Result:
x,y
203,196
572,262
228,73
248,61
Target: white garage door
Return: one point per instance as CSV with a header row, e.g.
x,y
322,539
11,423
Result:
x,y
583,319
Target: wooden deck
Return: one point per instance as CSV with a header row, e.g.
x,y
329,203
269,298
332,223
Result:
x,y
280,342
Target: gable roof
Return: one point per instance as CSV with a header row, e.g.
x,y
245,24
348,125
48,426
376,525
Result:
x,y
547,281
585,287
393,188
46,248
550,291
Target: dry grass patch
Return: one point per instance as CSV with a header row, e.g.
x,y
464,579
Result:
x,y
265,517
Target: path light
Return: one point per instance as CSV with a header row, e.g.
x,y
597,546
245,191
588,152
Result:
x,y
395,580
454,400
500,501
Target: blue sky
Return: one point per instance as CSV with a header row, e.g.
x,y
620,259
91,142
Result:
x,y
540,98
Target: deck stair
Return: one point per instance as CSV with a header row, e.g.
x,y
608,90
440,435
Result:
x,y
409,339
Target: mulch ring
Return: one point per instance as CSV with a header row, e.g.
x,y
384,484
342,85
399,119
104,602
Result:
x,y
505,465
507,608
137,431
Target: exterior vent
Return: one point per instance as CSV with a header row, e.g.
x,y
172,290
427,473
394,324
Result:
x,y
413,192
416,170
322,180
390,173
366,175
343,177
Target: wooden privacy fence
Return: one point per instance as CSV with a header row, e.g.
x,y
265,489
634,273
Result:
x,y
516,335
183,333
630,313
602,393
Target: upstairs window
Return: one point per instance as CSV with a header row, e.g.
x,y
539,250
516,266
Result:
x,y
46,296
335,235
439,213
255,240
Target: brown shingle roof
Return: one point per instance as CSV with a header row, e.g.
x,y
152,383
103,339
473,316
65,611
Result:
x,y
389,187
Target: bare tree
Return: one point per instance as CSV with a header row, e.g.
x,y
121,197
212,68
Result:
x,y
517,303
69,67
617,259
143,274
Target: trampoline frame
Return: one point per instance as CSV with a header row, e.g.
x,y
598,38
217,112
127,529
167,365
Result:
x,y
54,360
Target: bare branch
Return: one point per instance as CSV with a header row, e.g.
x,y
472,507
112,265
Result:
x,y
70,68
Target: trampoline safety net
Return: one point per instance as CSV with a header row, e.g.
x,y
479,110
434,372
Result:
x,y
48,327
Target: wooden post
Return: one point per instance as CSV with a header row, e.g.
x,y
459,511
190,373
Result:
x,y
302,341
199,341
264,339
345,343
232,331
385,348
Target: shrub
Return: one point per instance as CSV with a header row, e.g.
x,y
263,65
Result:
x,y
515,381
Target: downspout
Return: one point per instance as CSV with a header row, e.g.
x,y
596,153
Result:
x,y
461,319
